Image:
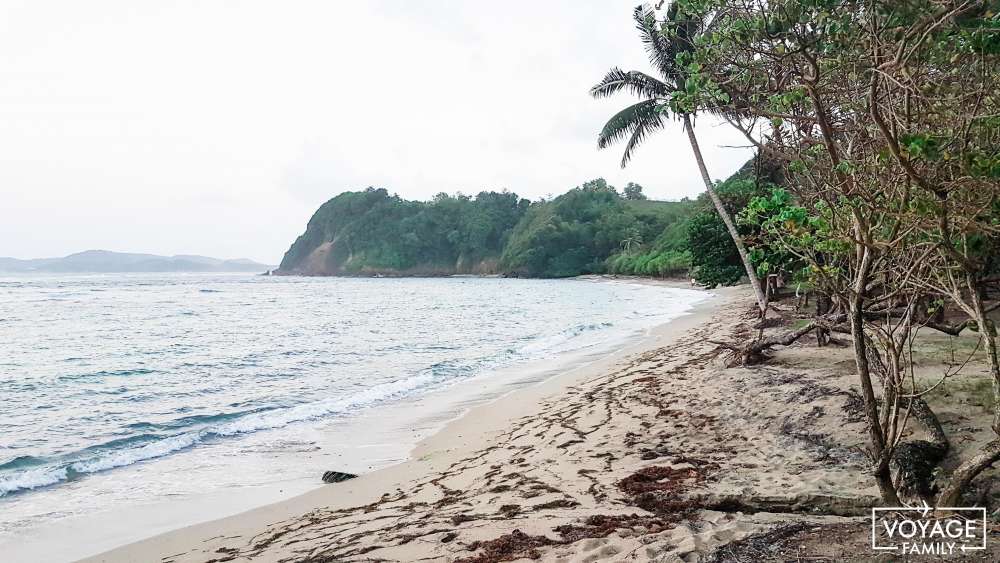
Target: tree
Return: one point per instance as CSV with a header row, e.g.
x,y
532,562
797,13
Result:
x,y
884,120
666,42
577,232
633,192
632,241
374,232
714,260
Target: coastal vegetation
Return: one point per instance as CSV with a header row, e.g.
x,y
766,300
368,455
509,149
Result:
x,y
582,230
882,118
592,228
372,232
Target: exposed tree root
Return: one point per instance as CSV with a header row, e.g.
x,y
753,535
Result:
x,y
951,493
918,460
757,351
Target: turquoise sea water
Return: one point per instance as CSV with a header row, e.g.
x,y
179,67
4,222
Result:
x,y
124,389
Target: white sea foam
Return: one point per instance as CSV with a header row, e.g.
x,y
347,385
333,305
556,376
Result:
x,y
31,479
151,450
44,476
309,411
549,343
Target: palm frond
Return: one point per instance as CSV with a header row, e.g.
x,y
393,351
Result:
x,y
657,46
636,82
681,30
633,122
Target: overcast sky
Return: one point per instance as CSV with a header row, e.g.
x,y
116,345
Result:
x,y
217,127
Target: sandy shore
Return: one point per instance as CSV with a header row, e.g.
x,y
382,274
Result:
x,y
659,453
480,428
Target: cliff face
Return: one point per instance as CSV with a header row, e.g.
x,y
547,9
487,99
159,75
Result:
x,y
373,233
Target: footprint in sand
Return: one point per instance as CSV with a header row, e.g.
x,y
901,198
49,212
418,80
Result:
x,y
598,549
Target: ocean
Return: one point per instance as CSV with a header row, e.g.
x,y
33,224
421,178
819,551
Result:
x,y
124,390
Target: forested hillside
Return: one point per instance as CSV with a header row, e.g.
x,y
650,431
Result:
x,y
592,228
577,232
372,232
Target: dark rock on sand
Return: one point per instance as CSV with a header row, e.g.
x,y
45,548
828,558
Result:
x,y
337,476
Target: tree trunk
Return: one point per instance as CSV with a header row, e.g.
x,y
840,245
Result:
x,y
990,453
987,331
882,473
960,479
737,239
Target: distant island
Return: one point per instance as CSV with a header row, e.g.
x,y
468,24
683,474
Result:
x,y
105,261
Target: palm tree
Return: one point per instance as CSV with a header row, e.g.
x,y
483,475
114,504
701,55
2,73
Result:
x,y
638,120
632,241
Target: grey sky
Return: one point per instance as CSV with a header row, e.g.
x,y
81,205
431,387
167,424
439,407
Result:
x,y
217,127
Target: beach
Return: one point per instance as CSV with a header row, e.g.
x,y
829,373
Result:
x,y
657,453
483,428
202,407
676,282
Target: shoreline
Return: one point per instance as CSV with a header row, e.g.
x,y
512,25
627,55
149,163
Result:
x,y
660,452
473,428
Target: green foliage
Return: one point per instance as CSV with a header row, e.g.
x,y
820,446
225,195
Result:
x,y
677,86
666,256
375,231
578,231
714,259
922,146
984,164
633,191
656,263
775,220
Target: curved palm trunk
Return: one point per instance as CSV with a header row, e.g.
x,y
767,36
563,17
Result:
x,y
737,239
